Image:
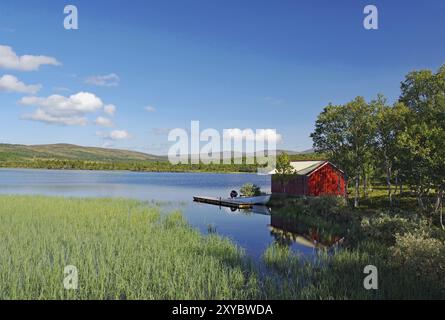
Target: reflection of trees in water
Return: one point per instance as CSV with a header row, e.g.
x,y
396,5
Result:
x,y
281,238
256,209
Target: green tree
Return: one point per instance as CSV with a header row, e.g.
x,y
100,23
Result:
x,y
250,190
284,169
346,134
283,166
390,121
360,134
423,141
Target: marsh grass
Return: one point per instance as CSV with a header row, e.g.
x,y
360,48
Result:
x,y
125,249
121,248
340,275
405,245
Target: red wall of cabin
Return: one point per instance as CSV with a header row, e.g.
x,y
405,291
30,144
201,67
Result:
x,y
296,185
327,180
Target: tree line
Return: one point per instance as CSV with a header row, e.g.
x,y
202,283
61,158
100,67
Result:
x,y
403,141
147,166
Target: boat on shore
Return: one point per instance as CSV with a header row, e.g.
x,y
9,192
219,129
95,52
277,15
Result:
x,y
257,200
236,202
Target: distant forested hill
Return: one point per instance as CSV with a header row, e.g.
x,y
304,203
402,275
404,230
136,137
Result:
x,y
67,156
13,152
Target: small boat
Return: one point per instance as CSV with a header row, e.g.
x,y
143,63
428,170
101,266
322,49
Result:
x,y
258,200
234,201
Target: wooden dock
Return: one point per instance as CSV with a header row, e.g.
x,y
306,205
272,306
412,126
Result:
x,y
222,202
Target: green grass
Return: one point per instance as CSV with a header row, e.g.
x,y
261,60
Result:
x,y
370,233
122,250
340,276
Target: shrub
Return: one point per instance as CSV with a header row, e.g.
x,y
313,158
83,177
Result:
x,y
250,190
421,255
325,205
383,227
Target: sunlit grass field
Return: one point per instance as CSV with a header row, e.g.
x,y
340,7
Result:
x,y
121,248
125,249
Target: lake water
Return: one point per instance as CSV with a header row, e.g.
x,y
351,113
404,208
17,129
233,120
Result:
x,y
250,229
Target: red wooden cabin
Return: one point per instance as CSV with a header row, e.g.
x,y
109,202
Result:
x,y
311,178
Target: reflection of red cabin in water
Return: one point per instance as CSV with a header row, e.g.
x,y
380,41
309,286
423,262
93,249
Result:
x,y
285,230
311,178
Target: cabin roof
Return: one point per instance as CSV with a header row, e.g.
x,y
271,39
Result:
x,y
304,167
307,167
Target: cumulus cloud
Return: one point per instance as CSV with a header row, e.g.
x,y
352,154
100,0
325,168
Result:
x,y
119,134
250,135
43,116
150,109
108,80
10,83
79,103
110,109
114,135
10,60
63,110
104,122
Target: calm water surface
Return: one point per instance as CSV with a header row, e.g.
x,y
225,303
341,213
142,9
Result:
x,y
249,229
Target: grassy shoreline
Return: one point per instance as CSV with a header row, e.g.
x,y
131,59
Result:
x,y
124,249
406,246
121,248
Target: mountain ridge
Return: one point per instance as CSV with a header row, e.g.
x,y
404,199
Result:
x,y
66,151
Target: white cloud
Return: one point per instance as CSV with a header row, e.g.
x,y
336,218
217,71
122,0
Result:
x,y
114,135
119,135
63,110
150,109
79,103
250,135
268,134
10,60
43,116
104,122
108,80
10,83
110,109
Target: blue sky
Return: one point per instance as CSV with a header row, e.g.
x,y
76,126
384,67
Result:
x,y
229,64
